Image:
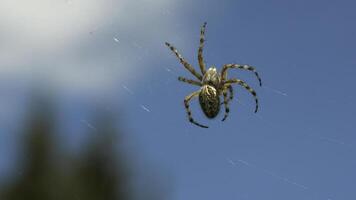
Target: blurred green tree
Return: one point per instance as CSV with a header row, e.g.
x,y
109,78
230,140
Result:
x,y
101,173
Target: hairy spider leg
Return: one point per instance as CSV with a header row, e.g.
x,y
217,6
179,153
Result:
x,y
245,67
192,82
184,62
200,50
247,87
226,103
186,104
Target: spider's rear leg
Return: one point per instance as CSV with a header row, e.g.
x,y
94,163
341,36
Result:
x,y
231,94
186,104
245,67
184,62
247,87
226,102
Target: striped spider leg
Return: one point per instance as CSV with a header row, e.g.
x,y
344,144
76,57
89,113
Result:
x,y
188,66
200,50
192,82
187,99
245,67
226,100
244,85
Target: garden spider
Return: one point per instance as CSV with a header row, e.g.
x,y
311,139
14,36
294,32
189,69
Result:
x,y
212,84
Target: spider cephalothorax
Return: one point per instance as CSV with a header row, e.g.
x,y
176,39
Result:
x,y
212,84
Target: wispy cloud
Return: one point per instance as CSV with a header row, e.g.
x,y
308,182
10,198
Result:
x,y
70,45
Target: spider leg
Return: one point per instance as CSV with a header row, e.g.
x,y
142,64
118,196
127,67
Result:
x,y
231,94
245,67
226,102
200,50
184,62
186,104
247,87
192,82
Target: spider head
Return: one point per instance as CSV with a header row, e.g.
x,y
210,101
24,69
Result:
x,y
211,77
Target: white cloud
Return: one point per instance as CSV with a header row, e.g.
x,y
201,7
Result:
x,y
69,43
41,27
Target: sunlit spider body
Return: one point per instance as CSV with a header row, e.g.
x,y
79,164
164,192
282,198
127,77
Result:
x,y
209,97
212,84
209,101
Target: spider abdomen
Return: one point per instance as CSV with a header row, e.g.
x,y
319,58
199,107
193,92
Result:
x,y
209,101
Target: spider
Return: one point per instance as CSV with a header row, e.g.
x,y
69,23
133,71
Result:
x,y
212,84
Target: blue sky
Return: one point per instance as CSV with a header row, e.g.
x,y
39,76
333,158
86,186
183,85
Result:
x,y
300,145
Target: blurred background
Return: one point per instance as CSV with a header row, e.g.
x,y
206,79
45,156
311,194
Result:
x,y
90,105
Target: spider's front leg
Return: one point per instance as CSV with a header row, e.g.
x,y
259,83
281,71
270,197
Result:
x,y
200,50
247,87
186,104
184,62
245,67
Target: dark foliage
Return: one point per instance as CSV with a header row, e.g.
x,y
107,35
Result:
x,y
100,173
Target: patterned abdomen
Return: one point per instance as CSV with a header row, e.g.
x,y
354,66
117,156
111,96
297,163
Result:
x,y
209,101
